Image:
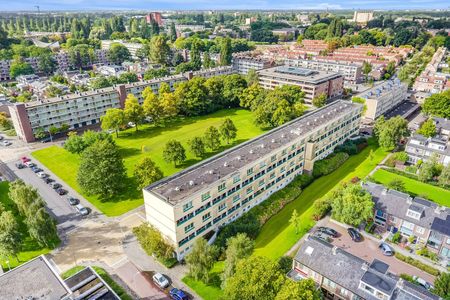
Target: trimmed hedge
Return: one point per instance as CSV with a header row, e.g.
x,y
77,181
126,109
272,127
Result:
x,y
329,164
417,264
352,147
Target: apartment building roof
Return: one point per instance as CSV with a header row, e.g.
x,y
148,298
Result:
x,y
424,143
382,89
442,123
398,204
176,188
330,62
300,74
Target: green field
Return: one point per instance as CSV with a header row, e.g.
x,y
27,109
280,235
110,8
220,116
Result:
x,y
30,248
148,141
278,236
415,187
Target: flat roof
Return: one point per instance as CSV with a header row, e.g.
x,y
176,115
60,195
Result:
x,y
299,74
35,279
381,89
176,188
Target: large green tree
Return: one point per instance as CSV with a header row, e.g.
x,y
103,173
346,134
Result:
x,y
428,128
46,63
389,132
20,67
152,106
101,170
438,105
442,286
238,247
352,204
197,147
299,290
225,52
113,119
201,260
174,152
159,49
147,172
42,227
118,53
133,111
228,130
212,138
10,238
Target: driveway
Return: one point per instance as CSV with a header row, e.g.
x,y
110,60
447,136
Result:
x,y
368,250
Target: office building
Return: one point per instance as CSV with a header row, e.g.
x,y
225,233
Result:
x,y
197,201
341,275
312,82
383,97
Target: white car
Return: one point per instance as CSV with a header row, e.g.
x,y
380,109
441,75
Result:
x,y
42,175
82,210
160,280
6,143
29,164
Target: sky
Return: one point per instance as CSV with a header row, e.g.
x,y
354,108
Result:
x,y
10,5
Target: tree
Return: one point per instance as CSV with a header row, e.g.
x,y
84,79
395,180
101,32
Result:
x,y
228,130
101,170
252,96
24,196
201,260
133,111
113,119
168,102
153,242
212,138
146,172
389,132
352,204
295,221
396,184
10,239
438,105
192,97
118,53
174,152
46,63
20,67
444,177
128,77
207,62
299,290
428,128
255,277
366,69
152,106
159,49
225,52
320,100
173,32
238,247
42,227
197,147
252,77
196,60
442,286
75,143
429,169
233,87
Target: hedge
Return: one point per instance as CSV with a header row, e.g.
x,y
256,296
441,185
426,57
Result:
x,y
329,164
417,264
352,147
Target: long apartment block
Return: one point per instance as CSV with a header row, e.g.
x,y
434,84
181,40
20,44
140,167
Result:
x,y
243,63
196,202
312,82
384,97
83,109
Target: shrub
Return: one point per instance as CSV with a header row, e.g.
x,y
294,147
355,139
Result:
x,y
396,238
321,208
417,264
329,164
352,147
427,253
370,227
285,263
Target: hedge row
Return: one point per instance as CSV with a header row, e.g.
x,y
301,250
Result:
x,y
352,147
417,264
329,164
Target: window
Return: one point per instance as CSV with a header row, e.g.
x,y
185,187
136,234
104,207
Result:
x,y
206,196
221,187
413,214
206,217
272,176
250,171
236,178
262,164
420,230
236,198
273,158
187,206
222,206
261,182
249,190
329,283
188,228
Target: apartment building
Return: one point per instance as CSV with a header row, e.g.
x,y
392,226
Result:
x,y
314,83
430,80
244,62
111,70
5,66
383,97
197,201
352,72
85,108
422,148
399,212
132,47
362,17
154,17
341,275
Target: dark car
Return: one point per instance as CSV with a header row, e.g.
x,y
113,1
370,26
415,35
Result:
x,y
20,165
354,234
36,169
72,200
61,191
55,185
329,231
48,180
177,294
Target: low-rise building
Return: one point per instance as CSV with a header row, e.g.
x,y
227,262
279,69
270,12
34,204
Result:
x,y
399,212
431,80
132,47
384,97
197,201
312,82
244,62
341,275
112,70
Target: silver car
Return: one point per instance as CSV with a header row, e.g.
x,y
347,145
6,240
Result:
x,y
160,280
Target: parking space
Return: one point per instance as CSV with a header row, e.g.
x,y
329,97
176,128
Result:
x,y
368,250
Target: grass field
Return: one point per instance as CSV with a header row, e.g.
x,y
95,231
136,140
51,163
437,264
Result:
x,y
277,236
30,248
148,141
415,187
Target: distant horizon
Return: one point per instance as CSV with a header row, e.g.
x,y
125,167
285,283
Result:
x,y
205,5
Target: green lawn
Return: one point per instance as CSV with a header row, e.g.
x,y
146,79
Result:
x,y
415,187
30,248
207,292
148,141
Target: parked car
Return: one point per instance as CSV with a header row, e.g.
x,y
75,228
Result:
x,y
29,164
42,175
323,236
24,159
386,249
6,143
354,234
61,191
20,165
72,200
160,280
329,231
82,210
35,169
55,185
177,294
48,180
46,140
422,283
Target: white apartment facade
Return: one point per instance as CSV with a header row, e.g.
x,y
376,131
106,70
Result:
x,y
132,47
242,63
199,200
384,97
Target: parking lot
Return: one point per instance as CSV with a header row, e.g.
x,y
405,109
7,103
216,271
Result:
x,y
369,250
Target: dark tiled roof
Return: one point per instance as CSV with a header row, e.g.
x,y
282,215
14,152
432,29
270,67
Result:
x,y
442,225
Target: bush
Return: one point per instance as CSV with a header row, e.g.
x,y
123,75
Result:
x,y
370,227
352,147
427,253
154,244
285,263
396,238
321,208
329,164
417,264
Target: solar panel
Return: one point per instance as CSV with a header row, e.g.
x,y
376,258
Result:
x,y
295,71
